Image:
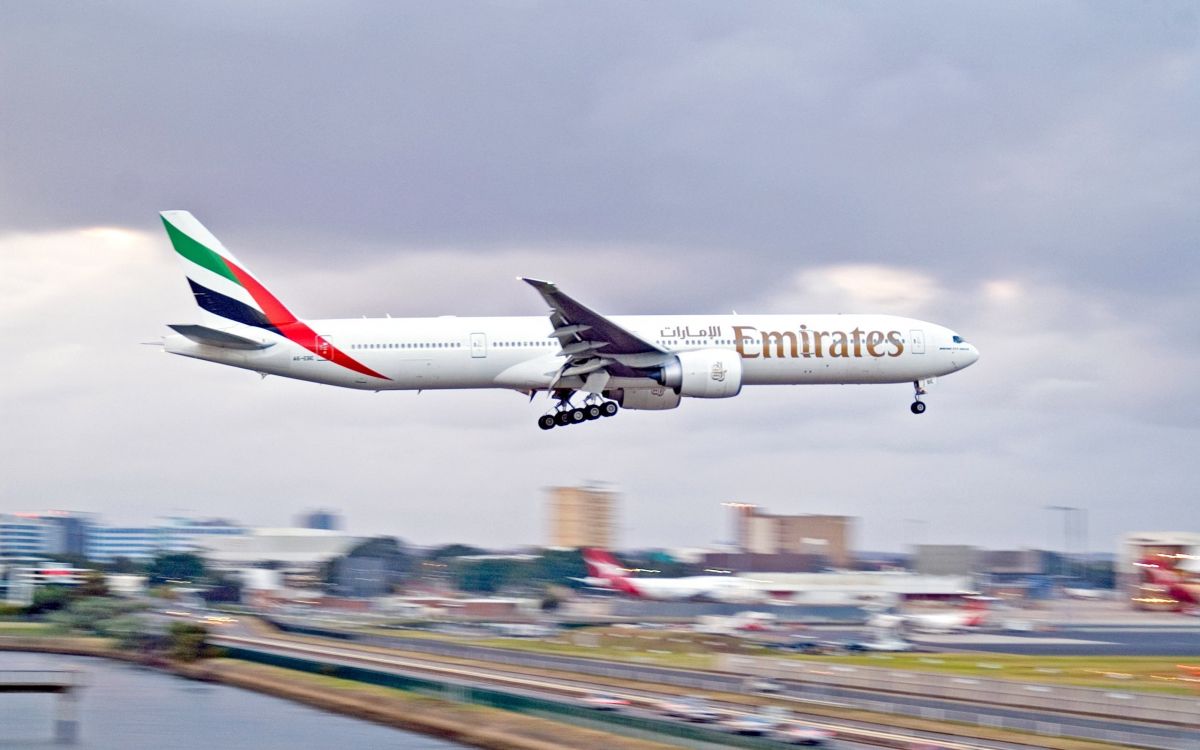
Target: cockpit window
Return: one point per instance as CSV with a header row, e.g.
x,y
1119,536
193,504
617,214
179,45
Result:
x,y
959,340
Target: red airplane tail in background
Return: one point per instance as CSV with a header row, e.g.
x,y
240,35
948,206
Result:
x,y
1170,580
603,566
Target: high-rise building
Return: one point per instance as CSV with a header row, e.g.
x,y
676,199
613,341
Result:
x,y
582,517
826,537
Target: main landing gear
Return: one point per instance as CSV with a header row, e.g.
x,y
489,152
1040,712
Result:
x,y
918,406
564,415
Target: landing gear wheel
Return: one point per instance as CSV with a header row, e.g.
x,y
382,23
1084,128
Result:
x,y
918,407
577,416
592,411
563,418
546,421
608,409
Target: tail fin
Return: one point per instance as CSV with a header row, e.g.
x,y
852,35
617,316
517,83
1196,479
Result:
x,y
600,564
225,289
222,285
1170,580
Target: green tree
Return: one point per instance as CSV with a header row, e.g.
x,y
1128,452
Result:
x,y
94,584
453,550
49,599
175,566
187,641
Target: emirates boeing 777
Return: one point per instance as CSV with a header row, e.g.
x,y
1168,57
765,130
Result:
x,y
632,362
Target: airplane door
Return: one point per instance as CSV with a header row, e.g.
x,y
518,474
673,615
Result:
x,y
917,340
323,348
478,345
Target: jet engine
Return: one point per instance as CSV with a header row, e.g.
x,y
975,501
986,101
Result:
x,y
645,398
704,373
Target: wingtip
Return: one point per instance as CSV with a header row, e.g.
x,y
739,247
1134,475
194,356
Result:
x,y
537,283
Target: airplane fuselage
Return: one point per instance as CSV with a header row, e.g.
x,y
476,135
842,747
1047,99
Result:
x,y
516,352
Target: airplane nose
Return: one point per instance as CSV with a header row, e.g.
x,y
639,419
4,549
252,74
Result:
x,y
972,356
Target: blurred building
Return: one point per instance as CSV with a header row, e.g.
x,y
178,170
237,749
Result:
x,y
1174,552
361,576
25,536
18,581
945,559
749,562
820,536
326,520
582,517
180,534
287,550
849,587
108,543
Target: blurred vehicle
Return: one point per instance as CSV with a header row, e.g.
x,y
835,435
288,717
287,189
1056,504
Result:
x,y
763,685
749,724
806,646
798,734
220,620
690,710
884,645
605,701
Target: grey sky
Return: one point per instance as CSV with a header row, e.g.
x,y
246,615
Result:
x,y
1028,174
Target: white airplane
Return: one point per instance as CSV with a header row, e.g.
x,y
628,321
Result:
x,y
635,362
971,616
605,572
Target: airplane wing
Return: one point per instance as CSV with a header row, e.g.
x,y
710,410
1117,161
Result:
x,y
594,346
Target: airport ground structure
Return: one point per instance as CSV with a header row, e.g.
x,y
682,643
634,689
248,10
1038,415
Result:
x,y
868,700
527,685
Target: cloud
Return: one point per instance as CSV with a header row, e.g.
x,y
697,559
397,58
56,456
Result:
x,y
1025,175
112,426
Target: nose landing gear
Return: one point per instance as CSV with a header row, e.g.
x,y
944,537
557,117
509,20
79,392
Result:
x,y
918,406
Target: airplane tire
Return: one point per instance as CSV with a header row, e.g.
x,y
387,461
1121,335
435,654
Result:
x,y
546,421
608,409
592,412
577,416
563,418
918,407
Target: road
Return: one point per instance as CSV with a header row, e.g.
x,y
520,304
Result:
x,y
1023,719
573,689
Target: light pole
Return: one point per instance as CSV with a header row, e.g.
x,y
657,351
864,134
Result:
x,y
1067,510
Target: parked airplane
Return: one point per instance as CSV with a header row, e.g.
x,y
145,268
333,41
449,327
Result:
x,y
635,362
606,573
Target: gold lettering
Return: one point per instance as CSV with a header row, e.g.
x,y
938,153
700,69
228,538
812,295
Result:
x,y
874,339
741,340
805,347
817,336
777,338
894,340
857,334
840,346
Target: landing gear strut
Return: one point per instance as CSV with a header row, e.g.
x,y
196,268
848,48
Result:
x,y
565,415
918,406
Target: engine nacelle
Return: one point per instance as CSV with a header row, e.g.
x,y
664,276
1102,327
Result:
x,y
645,398
705,373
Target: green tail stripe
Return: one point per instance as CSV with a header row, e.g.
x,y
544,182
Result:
x,y
198,254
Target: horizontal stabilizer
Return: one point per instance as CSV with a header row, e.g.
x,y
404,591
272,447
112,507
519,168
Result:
x,y
224,339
